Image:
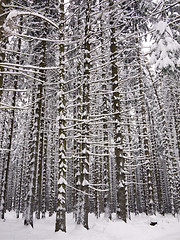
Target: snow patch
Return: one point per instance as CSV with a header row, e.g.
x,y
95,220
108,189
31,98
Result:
x,y
168,228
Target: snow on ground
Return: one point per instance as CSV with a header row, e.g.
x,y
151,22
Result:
x,y
168,228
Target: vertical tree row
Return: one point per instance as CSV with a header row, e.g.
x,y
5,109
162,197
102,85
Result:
x,y
89,123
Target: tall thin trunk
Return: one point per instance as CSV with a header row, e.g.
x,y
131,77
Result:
x,y
85,116
145,137
121,210
61,204
33,157
7,163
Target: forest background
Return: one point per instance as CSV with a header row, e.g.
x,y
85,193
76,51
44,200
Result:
x,y
89,108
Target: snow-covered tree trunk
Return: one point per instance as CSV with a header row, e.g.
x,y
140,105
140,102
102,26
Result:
x,y
44,164
8,158
85,118
145,137
34,147
62,167
119,155
40,151
51,184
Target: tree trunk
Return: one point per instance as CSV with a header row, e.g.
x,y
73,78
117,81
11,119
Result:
x,y
61,204
121,210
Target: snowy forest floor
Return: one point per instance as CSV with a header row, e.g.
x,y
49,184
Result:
x,y
168,228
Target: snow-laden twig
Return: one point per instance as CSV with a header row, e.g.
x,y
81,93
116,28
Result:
x,y
13,90
99,190
4,149
6,64
78,190
15,13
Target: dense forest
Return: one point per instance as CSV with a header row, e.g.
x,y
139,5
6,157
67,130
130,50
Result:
x,y
89,108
